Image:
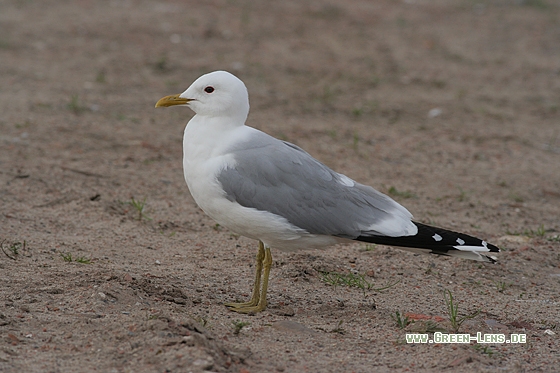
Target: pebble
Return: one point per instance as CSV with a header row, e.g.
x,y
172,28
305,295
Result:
x,y
494,324
291,326
435,112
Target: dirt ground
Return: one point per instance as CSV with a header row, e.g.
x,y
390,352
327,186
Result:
x,y
451,107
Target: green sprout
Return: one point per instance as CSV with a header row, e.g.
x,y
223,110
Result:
x,y
401,320
139,206
351,280
66,256
238,325
13,249
453,311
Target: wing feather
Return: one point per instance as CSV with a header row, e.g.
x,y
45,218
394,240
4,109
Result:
x,y
281,178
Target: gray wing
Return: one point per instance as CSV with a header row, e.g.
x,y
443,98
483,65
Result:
x,y
279,177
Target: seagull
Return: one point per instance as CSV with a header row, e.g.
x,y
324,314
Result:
x,y
275,192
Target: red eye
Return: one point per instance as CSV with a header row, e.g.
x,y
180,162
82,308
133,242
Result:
x,y
209,89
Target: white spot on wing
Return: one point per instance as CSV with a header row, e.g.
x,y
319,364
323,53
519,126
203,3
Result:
x,y
472,248
345,180
437,237
460,241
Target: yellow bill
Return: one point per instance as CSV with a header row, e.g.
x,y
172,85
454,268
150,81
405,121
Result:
x,y
172,101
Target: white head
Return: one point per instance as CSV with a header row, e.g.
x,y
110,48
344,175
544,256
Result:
x,y
216,94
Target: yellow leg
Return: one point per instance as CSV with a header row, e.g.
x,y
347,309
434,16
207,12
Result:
x,y
267,263
258,299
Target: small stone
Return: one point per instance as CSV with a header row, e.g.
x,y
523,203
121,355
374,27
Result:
x,y
291,326
435,112
204,363
495,325
283,311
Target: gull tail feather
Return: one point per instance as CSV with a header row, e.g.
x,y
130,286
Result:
x,y
439,241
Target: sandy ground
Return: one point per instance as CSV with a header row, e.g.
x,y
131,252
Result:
x,y
452,107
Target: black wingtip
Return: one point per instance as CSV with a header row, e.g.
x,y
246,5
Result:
x,y
439,241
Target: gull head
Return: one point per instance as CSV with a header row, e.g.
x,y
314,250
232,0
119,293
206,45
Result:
x,y
216,94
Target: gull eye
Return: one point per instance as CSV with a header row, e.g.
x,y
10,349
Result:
x,y
209,89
